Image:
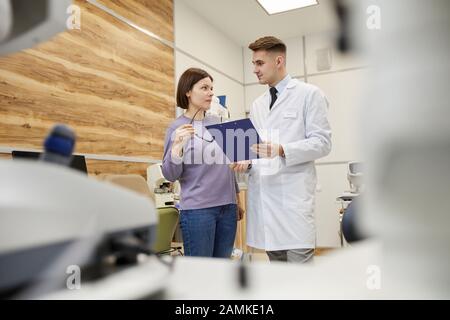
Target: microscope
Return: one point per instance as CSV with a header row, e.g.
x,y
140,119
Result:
x,y
55,219
355,179
166,193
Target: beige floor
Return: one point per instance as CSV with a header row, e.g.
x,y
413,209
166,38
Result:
x,y
260,255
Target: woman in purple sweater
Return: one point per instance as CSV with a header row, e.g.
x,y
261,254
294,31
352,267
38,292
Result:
x,y
209,201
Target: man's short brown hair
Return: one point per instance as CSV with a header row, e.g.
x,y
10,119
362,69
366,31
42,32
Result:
x,y
187,80
269,43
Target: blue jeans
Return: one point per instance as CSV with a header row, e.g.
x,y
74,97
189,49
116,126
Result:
x,y
209,232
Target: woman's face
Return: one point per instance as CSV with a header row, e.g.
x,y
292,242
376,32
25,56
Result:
x,y
201,94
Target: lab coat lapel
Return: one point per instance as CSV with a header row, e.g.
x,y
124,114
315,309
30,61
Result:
x,y
263,110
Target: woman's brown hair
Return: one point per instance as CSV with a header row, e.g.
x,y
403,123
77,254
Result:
x,y
187,80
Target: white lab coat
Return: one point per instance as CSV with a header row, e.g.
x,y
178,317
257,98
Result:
x,y
281,191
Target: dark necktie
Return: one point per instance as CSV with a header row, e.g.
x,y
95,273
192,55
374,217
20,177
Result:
x,y
273,94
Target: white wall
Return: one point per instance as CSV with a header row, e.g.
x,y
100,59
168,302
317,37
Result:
x,y
198,44
344,93
332,180
339,62
344,85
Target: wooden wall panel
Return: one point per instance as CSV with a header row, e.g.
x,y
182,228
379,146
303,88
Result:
x,y
5,156
98,168
154,15
102,167
113,84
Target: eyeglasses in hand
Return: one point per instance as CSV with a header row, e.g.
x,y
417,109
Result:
x,y
204,139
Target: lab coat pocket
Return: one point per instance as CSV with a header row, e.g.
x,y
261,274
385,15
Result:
x,y
292,124
297,192
296,212
290,114
290,118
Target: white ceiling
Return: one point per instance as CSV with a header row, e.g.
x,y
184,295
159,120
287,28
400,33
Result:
x,y
243,21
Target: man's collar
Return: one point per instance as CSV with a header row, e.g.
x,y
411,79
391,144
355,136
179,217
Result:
x,y
280,86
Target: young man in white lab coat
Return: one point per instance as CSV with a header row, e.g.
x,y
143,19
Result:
x,y
291,118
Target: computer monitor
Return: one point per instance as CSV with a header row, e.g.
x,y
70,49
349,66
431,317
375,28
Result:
x,y
78,161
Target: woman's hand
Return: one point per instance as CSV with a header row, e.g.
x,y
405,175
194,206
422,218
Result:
x,y
240,212
182,136
239,208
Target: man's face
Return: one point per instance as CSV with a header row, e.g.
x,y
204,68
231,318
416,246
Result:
x,y
265,66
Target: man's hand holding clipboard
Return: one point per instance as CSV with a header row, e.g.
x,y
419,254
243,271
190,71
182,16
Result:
x,y
241,143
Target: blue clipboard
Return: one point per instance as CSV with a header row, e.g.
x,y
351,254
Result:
x,y
235,139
